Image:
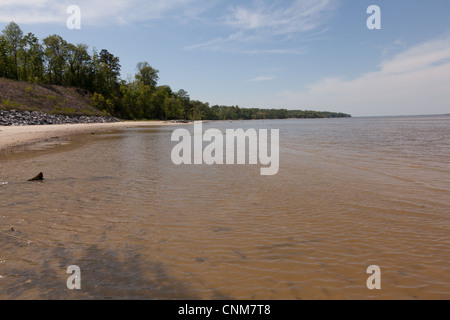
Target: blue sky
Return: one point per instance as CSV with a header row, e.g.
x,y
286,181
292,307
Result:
x,y
295,54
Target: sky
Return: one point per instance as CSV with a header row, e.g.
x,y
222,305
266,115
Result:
x,y
293,54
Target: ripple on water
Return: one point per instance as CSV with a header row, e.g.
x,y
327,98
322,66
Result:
x,y
139,226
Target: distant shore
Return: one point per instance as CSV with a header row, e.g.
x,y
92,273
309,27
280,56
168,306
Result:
x,y
19,136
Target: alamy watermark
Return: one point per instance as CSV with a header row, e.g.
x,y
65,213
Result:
x,y
374,21
374,281
73,22
74,281
233,144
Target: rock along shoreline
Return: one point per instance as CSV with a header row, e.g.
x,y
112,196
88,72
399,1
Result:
x,y
35,118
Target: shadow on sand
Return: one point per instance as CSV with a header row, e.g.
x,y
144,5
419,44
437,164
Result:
x,y
105,274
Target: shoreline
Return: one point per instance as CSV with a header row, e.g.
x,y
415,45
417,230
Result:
x,y
19,136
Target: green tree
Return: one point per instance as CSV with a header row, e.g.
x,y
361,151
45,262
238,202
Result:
x,y
31,57
130,108
106,70
79,66
145,102
201,110
106,105
4,58
13,36
146,74
110,68
56,55
185,104
161,101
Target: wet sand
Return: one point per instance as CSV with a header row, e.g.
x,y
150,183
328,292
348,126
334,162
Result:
x,y
18,136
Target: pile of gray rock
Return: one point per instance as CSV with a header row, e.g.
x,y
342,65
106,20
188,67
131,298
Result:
x,y
27,118
180,121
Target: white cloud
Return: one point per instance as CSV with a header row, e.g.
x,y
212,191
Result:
x,y
234,42
262,78
96,12
275,51
244,25
271,18
4,3
265,22
219,42
416,81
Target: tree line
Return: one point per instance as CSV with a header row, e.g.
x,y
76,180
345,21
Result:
x,y
55,61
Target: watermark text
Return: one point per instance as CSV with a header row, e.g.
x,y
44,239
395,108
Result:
x,y
234,144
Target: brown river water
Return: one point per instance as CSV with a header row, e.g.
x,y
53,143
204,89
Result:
x,y
350,193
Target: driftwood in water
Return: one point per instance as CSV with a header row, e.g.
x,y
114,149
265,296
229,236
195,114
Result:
x,y
39,177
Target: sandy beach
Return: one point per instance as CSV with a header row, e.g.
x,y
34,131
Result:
x,y
17,136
